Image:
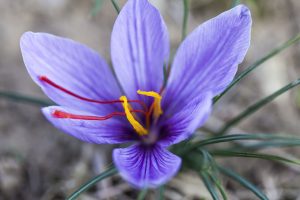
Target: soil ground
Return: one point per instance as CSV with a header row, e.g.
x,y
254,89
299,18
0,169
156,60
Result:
x,y
38,162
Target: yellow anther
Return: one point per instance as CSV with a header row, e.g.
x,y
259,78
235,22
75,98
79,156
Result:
x,y
136,125
157,101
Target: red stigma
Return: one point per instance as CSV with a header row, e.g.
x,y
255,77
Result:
x,y
53,84
66,115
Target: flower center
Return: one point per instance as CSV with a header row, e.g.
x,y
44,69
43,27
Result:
x,y
154,110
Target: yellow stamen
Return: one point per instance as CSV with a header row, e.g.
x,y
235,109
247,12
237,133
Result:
x,y
136,125
157,101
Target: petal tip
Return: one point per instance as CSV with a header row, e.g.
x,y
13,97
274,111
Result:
x,y
46,111
243,12
25,36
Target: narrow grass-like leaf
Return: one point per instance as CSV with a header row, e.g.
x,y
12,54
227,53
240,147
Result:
x,y
249,69
185,19
109,172
226,153
243,182
165,72
116,6
207,182
142,194
219,185
272,144
206,160
206,167
235,3
234,137
214,172
25,98
97,6
208,172
256,106
161,192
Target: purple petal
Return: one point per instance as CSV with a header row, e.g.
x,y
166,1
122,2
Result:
x,y
207,60
110,131
184,123
146,166
72,66
139,47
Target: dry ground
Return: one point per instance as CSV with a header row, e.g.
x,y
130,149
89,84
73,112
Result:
x,y
39,162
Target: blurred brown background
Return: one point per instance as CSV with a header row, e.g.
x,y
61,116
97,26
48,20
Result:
x,y
39,162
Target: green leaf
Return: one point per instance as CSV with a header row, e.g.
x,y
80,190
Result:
x,y
185,19
270,144
219,185
166,74
142,194
14,96
243,182
109,172
97,7
256,106
206,167
207,182
161,191
226,153
116,6
234,137
235,3
213,172
274,52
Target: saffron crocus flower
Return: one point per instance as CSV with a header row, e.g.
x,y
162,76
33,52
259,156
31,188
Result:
x,y
149,117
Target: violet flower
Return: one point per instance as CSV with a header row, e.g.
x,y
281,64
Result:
x,y
148,116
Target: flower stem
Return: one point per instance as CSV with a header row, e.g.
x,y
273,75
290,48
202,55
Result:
x,y
251,109
161,191
185,18
109,172
116,6
274,52
142,194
